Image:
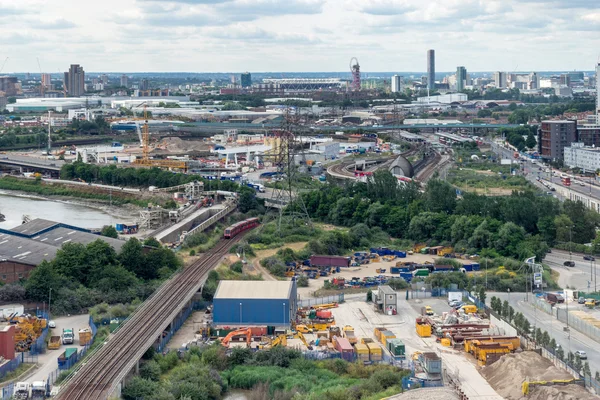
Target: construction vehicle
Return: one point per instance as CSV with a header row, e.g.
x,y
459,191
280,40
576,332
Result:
x,y
427,310
22,390
303,329
68,336
54,343
281,340
562,382
248,332
38,390
325,306
300,336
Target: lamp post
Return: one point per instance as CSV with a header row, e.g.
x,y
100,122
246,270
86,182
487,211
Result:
x,y
49,300
240,313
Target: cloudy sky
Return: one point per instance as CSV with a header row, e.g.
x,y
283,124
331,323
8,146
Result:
x,y
299,35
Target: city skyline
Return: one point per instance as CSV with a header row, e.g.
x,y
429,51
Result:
x,y
300,35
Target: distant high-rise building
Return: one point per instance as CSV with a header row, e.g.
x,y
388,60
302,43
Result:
x,y
461,78
565,79
144,85
124,80
246,79
46,80
500,79
396,83
534,81
8,85
74,80
431,69
104,79
598,94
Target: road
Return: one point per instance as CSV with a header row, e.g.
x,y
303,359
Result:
x,y
581,277
569,342
47,362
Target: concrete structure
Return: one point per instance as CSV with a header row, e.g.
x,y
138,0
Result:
x,y
246,80
431,69
385,299
298,85
396,84
461,78
500,79
255,303
402,167
579,156
74,80
47,81
124,80
330,150
556,135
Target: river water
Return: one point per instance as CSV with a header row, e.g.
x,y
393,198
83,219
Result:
x,y
14,206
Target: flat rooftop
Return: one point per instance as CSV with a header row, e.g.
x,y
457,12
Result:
x,y
253,290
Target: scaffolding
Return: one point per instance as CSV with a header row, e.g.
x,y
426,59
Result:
x,y
153,217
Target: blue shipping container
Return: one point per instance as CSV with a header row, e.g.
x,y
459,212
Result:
x,y
400,254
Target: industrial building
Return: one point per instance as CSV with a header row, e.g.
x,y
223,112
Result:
x,y
555,136
385,299
26,246
255,303
444,98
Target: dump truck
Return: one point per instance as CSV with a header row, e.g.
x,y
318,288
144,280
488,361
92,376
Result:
x,y
68,336
38,390
54,343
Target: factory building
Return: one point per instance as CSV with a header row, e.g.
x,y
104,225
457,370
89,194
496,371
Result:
x,y
255,303
26,246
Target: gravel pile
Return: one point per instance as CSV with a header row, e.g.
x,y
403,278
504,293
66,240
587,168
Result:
x,y
438,393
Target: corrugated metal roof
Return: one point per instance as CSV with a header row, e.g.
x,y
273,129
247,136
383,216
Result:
x,y
25,251
386,289
34,226
59,236
253,290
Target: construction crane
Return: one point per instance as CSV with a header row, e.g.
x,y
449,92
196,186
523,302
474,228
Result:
x,y
145,160
3,64
42,88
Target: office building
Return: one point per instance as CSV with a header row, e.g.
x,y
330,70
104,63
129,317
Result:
x,y
3,103
500,79
589,135
144,85
74,80
431,69
246,79
576,76
580,156
565,79
396,84
461,78
124,80
555,136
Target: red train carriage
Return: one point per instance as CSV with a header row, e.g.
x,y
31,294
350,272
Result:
x,y
241,226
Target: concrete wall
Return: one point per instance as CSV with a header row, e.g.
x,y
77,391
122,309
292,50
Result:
x,y
508,329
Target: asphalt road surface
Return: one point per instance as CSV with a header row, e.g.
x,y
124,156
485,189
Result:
x,y
583,276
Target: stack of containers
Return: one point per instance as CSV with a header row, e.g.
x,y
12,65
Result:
x,y
377,332
362,352
385,335
375,352
344,347
396,347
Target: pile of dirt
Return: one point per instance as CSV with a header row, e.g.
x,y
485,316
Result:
x,y
437,393
508,374
176,145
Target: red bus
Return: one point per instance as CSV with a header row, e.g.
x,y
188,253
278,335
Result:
x,y
241,226
566,181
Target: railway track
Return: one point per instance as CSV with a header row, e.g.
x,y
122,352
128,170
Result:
x,y
100,374
340,171
438,162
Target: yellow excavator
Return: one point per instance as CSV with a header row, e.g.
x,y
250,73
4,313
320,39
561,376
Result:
x,y
527,384
300,336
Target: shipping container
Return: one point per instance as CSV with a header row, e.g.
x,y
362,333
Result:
x,y
67,359
329,261
375,352
396,347
85,336
345,348
324,314
385,335
362,352
377,333
431,362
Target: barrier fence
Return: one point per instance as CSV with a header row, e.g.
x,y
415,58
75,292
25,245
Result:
x,y
336,298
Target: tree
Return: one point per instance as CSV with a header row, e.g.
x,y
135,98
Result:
x,y
511,313
586,369
140,388
510,236
440,196
538,335
505,307
43,278
560,353
577,365
302,281
552,345
563,226
545,339
109,231
247,200
482,294
530,142
12,292
526,326
150,370
133,258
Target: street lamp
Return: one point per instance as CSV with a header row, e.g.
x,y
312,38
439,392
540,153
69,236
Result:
x,y
240,313
49,300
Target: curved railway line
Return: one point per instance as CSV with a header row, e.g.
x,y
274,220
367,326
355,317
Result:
x,y
102,371
340,170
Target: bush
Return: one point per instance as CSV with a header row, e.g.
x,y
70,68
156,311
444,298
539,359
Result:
x,y
150,370
302,281
397,283
192,252
237,266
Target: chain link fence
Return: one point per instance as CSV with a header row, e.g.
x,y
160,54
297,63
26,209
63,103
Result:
x,y
336,298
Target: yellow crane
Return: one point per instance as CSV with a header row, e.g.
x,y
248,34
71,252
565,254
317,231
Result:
x,y
145,160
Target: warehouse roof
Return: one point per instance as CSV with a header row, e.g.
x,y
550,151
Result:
x,y
59,236
253,290
39,225
26,251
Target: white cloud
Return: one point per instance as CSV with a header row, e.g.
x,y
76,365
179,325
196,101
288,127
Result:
x,y
300,35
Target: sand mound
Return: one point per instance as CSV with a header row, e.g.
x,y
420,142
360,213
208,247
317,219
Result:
x,y
427,393
507,375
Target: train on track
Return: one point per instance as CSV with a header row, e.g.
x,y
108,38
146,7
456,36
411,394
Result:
x,y
241,226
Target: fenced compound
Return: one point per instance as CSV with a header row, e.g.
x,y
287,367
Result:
x,y
336,298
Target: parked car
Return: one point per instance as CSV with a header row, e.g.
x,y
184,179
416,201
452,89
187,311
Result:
x,y
582,354
569,263
51,324
452,303
581,300
589,258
